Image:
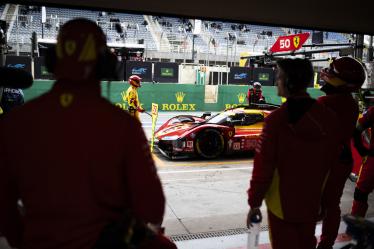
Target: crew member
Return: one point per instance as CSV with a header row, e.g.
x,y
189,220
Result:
x,y
59,157
365,182
254,94
132,96
10,98
297,148
344,76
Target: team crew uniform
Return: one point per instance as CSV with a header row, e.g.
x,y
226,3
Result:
x,y
76,161
347,112
292,161
365,182
132,96
343,76
254,95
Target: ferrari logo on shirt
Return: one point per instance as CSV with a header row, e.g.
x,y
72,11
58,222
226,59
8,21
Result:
x,y
70,47
296,41
66,99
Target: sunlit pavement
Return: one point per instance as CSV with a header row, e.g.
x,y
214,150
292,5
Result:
x,y
209,197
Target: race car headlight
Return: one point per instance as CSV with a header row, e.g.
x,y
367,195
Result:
x,y
168,138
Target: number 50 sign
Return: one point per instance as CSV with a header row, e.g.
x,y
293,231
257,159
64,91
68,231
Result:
x,y
289,43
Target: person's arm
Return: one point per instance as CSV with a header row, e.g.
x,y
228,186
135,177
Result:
x,y
10,220
138,105
146,195
363,123
264,164
249,95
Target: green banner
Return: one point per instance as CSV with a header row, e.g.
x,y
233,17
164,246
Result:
x,y
173,97
167,72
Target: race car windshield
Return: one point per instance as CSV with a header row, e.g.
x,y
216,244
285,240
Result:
x,y
218,119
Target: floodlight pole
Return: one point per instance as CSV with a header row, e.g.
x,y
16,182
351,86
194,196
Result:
x,y
227,51
359,46
370,50
193,48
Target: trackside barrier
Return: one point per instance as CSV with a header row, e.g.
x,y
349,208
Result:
x,y
173,97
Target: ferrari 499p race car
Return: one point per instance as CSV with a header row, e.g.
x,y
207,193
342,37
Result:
x,y
230,131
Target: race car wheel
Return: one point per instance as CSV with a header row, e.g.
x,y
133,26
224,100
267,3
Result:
x,y
209,143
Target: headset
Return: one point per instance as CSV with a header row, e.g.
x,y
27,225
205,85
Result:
x,y
107,66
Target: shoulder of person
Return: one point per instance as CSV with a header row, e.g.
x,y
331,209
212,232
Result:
x,y
275,115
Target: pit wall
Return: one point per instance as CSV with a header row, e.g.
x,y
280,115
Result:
x,y
173,97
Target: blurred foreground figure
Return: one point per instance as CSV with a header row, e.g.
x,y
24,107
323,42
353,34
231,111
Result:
x,y
79,164
296,150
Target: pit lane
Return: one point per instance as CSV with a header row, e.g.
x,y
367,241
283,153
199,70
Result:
x,y
210,195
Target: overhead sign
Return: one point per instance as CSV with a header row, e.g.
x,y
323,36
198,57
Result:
x,y
289,43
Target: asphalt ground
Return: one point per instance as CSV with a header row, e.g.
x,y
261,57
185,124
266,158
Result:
x,y
210,195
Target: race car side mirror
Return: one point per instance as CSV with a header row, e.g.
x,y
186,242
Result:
x,y
229,121
206,114
232,122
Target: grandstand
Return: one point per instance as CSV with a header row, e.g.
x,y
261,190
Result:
x,y
169,38
2,6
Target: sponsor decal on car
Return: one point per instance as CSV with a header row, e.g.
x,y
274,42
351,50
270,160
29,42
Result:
x,y
189,144
236,146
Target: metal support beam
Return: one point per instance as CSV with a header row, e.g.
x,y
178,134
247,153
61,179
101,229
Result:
x,y
359,46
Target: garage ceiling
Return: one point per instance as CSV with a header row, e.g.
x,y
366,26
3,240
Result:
x,y
331,15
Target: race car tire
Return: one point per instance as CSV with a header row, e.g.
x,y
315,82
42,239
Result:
x,y
209,143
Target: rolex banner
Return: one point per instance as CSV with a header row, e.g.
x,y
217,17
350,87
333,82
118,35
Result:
x,y
154,120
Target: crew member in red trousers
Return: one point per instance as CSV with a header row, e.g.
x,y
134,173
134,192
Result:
x,y
296,150
344,76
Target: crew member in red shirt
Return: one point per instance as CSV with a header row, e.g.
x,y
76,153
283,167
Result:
x,y
76,161
296,150
254,94
365,182
344,76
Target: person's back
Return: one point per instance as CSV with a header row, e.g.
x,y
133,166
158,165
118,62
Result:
x,y
304,156
296,150
81,165
346,109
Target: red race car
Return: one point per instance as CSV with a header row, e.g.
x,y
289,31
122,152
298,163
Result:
x,y
230,131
